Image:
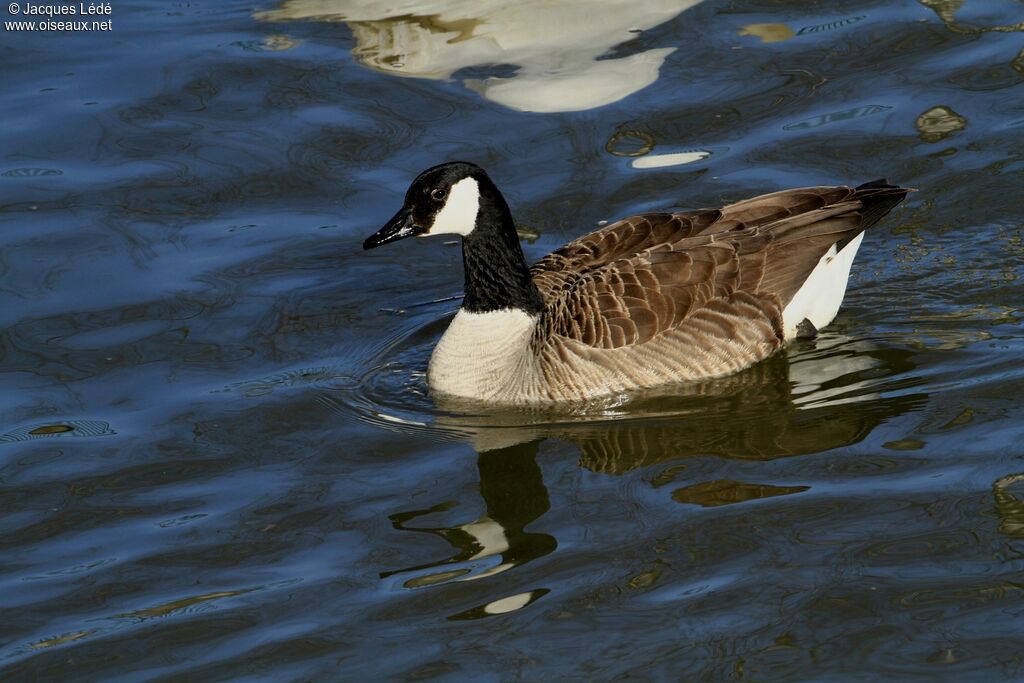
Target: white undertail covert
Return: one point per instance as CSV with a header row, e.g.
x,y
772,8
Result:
x,y
821,294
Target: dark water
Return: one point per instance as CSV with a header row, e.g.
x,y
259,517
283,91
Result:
x,y
218,460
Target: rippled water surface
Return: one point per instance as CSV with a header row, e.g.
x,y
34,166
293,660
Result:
x,y
218,458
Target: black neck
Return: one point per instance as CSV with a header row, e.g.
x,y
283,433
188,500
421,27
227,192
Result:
x,y
496,273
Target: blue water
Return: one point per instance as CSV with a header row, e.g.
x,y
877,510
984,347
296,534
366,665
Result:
x,y
218,457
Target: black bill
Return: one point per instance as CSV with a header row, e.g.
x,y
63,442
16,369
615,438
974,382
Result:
x,y
398,228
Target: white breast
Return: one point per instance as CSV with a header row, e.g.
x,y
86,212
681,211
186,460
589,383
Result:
x,y
486,356
821,294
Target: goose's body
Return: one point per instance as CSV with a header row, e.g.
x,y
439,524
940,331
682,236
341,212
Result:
x,y
647,301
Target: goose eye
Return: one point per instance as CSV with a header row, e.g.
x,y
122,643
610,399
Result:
x,y
438,194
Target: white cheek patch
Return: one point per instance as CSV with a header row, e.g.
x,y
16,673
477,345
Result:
x,y
458,215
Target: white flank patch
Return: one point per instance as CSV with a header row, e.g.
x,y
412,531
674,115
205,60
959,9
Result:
x,y
663,160
484,355
821,294
458,215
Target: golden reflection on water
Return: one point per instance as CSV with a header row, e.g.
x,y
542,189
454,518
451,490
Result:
x,y
163,610
946,11
182,604
768,33
61,640
939,123
71,428
779,32
51,429
558,48
279,42
1009,499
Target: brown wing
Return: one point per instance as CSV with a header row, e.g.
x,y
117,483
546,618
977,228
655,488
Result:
x,y
619,240
726,273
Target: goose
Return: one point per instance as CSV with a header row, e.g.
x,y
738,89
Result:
x,y
648,301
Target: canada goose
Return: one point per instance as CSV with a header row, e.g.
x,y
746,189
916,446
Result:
x,y
647,301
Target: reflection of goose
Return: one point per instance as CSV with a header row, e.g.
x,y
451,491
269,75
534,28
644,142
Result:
x,y
515,496
752,416
556,45
648,301
757,414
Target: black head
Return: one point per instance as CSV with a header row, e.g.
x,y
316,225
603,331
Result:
x,y
458,198
443,200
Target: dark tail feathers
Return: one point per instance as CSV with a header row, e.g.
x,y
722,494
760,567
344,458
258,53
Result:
x,y
879,198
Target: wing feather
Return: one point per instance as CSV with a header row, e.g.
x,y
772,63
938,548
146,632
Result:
x,y
699,277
